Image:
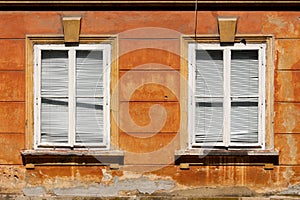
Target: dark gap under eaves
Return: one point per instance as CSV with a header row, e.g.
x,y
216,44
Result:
x,y
172,6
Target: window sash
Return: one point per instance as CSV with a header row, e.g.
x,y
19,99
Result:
x,y
105,49
260,48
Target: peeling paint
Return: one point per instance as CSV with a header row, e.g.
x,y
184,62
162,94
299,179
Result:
x,y
132,179
288,174
106,176
292,190
215,192
34,191
142,185
279,22
289,123
293,148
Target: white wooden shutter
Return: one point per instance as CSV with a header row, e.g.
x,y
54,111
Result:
x,y
244,96
209,96
54,97
89,97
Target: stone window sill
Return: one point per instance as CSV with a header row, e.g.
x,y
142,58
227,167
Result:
x,y
74,157
227,157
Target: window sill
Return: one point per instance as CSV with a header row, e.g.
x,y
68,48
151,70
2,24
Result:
x,y
227,157
76,157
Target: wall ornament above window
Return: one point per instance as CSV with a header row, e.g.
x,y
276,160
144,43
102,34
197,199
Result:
x,y
71,29
227,29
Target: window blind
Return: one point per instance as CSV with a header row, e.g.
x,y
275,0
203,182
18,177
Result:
x,y
54,97
89,97
209,96
244,96
227,95
72,108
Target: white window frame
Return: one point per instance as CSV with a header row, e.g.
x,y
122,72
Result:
x,y
192,47
106,49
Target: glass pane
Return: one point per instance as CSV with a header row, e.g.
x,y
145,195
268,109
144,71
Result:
x,y
89,120
244,120
244,72
209,73
54,69
89,73
54,120
209,120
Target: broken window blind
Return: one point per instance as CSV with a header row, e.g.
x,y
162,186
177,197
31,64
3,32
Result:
x,y
89,97
244,96
209,96
54,97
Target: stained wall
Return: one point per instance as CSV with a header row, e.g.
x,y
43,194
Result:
x,y
149,52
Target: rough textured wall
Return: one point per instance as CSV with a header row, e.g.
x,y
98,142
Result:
x,y
153,58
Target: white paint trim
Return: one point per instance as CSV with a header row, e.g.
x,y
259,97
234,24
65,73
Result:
x,y
106,100
262,99
37,98
191,99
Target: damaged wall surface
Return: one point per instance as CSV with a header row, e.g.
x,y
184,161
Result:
x,y
148,71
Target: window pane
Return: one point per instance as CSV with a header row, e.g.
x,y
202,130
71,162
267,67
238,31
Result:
x,y
54,120
89,120
209,120
244,72
244,120
209,73
54,69
89,73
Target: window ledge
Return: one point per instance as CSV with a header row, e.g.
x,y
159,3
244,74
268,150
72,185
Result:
x,y
74,157
226,157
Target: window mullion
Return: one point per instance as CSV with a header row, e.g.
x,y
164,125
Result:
x,y
227,101
72,98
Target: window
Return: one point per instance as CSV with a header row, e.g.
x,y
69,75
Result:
x,y
72,96
226,96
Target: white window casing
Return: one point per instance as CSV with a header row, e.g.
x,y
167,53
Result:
x,y
72,96
228,82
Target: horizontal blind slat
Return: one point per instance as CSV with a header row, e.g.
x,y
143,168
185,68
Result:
x,y
209,82
54,73
244,121
54,82
89,84
244,82
89,73
209,73
54,120
89,120
209,120
244,72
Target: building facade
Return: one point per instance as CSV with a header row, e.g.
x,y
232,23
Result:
x,y
160,98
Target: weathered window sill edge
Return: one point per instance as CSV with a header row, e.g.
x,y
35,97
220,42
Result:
x,y
227,157
74,157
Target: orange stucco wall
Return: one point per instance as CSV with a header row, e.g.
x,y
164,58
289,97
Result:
x,y
150,40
